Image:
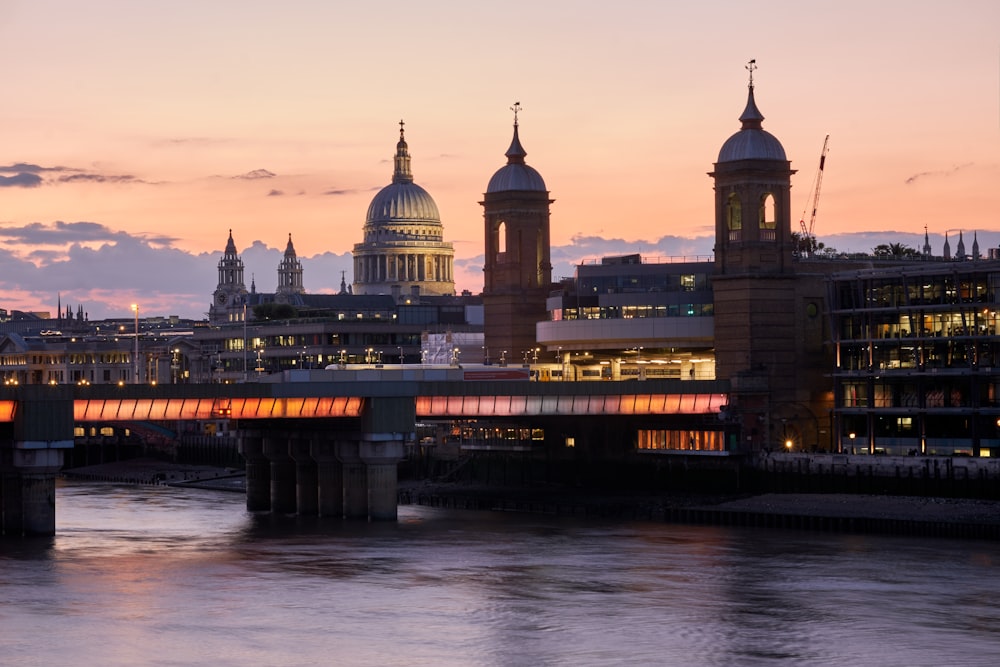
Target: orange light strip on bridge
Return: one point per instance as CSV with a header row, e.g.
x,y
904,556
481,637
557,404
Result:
x,y
7,409
614,404
160,409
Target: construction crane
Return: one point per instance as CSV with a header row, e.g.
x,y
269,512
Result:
x,y
807,232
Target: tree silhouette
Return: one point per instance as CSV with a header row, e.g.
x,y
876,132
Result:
x,y
894,251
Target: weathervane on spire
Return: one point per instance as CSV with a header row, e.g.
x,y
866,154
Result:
x,y
516,108
401,124
751,66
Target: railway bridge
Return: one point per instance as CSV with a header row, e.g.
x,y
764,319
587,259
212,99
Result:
x,y
314,447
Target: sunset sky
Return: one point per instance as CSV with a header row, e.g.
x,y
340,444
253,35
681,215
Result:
x,y
134,135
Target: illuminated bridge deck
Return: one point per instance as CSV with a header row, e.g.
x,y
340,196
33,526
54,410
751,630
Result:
x,y
337,400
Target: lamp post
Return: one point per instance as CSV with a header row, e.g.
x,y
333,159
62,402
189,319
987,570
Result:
x,y
135,358
246,373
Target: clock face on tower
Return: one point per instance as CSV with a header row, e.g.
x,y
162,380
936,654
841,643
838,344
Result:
x,y
221,299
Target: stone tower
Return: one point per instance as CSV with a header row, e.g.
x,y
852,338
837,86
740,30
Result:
x,y
230,296
289,275
757,342
518,270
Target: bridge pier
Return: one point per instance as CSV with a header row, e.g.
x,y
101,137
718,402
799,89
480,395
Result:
x,y
306,476
353,477
355,480
329,477
381,459
28,495
258,471
283,484
31,453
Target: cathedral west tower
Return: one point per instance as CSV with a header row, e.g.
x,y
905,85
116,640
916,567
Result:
x,y
230,296
289,276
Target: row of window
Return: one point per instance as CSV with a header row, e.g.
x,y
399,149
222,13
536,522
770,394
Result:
x,y
920,323
632,312
915,291
699,441
368,338
935,354
952,393
645,282
86,359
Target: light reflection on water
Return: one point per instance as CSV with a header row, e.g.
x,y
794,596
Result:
x,y
161,576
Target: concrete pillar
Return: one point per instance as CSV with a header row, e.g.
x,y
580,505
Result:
x,y
282,472
355,480
12,505
38,504
258,480
382,491
329,477
29,460
28,492
381,458
306,480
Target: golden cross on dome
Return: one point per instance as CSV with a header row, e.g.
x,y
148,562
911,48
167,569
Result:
x,y
401,124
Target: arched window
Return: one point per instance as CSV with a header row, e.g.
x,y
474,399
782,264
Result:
x,y
734,217
501,241
768,220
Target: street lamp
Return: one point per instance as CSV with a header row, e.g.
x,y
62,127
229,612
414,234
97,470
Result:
x,y
135,359
175,365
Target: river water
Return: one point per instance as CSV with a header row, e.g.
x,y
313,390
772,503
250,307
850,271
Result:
x,y
165,576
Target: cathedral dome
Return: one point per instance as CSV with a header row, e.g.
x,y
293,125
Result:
x,y
404,250
402,200
516,175
405,201
752,142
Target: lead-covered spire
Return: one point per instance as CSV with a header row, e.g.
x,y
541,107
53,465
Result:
x,y
751,116
516,153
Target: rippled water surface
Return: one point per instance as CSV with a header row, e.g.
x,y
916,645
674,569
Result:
x,y
161,576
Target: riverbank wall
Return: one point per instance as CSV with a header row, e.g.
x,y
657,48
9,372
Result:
x,y
941,476
781,472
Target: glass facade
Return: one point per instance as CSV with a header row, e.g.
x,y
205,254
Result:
x,y
918,359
